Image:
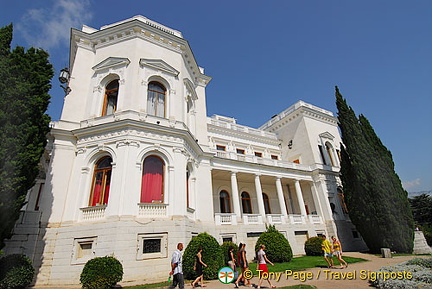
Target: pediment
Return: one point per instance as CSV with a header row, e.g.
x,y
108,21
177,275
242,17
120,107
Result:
x,y
191,88
159,64
111,62
327,135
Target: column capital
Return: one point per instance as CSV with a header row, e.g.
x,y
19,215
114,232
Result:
x,y
234,172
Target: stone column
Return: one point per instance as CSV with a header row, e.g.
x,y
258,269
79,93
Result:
x,y
260,199
300,198
235,194
281,197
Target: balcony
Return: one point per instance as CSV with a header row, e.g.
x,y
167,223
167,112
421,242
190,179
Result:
x,y
93,213
152,210
275,219
225,219
315,219
296,219
250,219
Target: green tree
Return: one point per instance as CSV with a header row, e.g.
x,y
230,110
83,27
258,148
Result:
x,y
278,248
422,212
211,256
373,191
24,84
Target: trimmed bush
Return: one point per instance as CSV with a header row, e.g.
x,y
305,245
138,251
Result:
x,y
224,247
312,246
101,273
16,271
278,248
211,255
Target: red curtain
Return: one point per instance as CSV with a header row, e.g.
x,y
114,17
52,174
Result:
x,y
152,180
97,191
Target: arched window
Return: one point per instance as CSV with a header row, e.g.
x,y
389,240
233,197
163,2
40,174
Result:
x,y
101,182
110,100
152,180
246,203
187,187
156,99
225,202
329,149
266,203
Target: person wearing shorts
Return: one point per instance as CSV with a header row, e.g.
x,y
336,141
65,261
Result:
x,y
327,248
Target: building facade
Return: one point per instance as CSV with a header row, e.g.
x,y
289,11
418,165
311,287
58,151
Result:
x,y
135,165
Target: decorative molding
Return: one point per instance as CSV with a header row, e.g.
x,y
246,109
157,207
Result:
x,y
327,135
111,62
159,65
190,88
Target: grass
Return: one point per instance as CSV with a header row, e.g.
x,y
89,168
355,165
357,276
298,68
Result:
x,y
305,262
296,264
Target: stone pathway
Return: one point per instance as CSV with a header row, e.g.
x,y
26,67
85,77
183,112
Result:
x,y
355,275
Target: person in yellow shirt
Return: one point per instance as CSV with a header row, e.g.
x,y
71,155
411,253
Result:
x,y
327,247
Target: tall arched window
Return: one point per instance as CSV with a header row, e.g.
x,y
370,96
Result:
x,y
225,202
152,180
110,100
329,149
156,99
342,201
246,203
101,182
266,200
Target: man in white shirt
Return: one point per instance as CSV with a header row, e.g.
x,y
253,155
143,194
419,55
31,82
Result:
x,y
176,268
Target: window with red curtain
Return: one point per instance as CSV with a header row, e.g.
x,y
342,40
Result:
x,y
152,180
266,200
101,182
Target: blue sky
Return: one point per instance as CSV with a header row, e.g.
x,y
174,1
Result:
x,y
265,55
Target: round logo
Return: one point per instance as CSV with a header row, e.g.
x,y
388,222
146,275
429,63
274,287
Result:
x,y
226,275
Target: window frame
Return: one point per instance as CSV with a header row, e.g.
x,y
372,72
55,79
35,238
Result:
x,y
162,201
225,202
77,258
248,202
106,179
266,201
141,237
106,96
156,98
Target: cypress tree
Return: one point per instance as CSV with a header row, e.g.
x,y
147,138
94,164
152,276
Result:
x,y
377,203
24,84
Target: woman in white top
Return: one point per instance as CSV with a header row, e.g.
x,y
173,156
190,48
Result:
x,y
262,265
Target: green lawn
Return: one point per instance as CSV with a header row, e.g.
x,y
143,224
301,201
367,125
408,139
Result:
x,y
305,262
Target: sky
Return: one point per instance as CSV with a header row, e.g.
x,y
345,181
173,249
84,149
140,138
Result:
x,y
264,56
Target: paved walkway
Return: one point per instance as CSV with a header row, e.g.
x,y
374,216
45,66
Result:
x,y
355,275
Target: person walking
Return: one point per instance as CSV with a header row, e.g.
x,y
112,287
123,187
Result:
x,y
242,260
337,247
262,265
198,267
326,246
176,268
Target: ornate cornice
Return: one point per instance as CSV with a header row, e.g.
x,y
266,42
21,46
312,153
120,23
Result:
x,y
159,64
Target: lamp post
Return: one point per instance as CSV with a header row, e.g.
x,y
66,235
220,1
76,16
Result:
x,y
64,78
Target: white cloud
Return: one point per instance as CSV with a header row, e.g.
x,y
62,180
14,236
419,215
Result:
x,y
50,27
411,184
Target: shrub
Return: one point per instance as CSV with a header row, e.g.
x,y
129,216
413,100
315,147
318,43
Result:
x,y
278,248
224,247
312,246
16,271
101,273
211,255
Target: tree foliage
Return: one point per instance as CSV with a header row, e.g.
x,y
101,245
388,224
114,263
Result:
x,y
101,273
211,256
373,191
422,212
24,84
313,247
278,248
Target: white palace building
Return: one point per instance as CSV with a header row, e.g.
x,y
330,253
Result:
x,y
135,165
